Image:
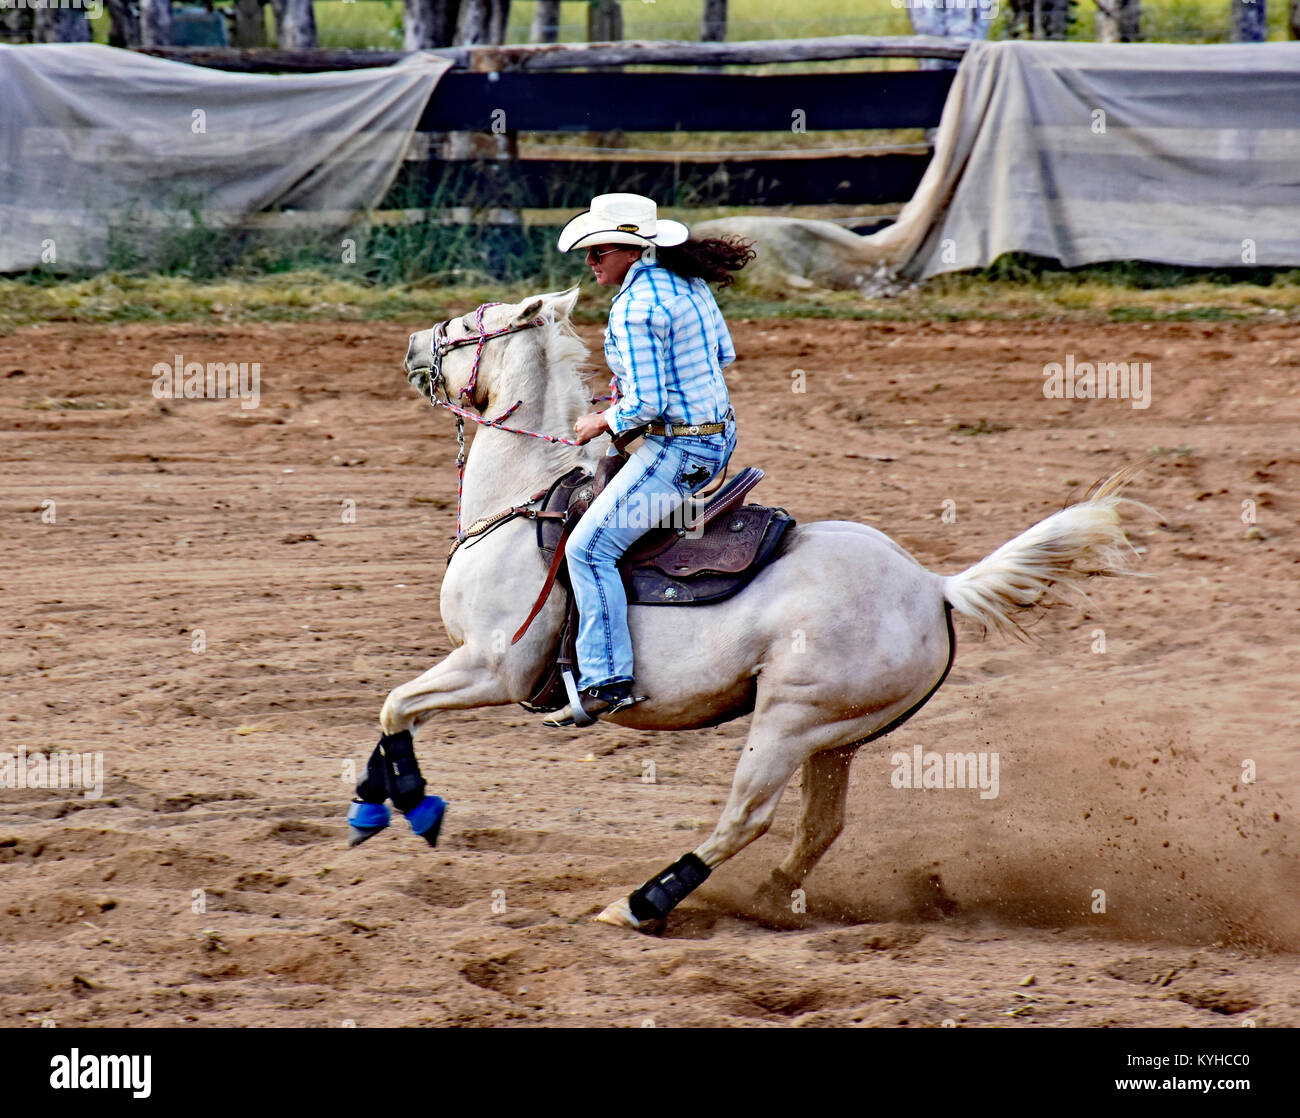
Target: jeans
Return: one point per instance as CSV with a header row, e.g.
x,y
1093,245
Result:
x,y
653,484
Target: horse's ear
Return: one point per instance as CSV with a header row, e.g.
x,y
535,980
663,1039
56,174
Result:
x,y
531,311
559,303
565,301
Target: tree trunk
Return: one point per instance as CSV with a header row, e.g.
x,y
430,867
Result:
x,y
429,24
250,23
1118,21
123,24
155,23
498,21
713,27
418,29
546,21
1293,20
472,27
482,22
604,21
1249,21
295,24
15,25
1050,19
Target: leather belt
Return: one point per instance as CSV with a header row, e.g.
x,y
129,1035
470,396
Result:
x,y
670,430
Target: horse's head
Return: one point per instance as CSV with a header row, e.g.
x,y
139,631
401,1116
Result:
x,y
474,356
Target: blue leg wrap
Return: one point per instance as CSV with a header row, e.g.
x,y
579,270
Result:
x,y
426,818
365,821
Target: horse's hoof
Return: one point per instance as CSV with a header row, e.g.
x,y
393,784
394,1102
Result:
x,y
620,915
365,821
426,818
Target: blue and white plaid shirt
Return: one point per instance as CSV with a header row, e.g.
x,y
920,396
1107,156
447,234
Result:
x,y
666,345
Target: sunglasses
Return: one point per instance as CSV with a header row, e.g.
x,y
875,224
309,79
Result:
x,y
593,251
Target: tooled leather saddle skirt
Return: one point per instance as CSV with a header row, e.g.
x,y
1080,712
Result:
x,y
710,560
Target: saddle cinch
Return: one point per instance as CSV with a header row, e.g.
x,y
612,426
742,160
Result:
x,y
726,545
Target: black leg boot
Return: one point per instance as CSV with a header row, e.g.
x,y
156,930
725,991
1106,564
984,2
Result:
x,y
367,814
406,787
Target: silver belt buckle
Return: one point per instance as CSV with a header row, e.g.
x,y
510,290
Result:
x,y
694,429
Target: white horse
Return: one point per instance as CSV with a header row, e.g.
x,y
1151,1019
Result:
x,y
838,640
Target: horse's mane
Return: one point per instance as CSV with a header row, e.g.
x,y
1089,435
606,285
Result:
x,y
568,359
564,383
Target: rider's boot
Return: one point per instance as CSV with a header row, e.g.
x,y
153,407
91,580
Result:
x,y
609,698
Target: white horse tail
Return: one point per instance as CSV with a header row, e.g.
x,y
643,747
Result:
x,y
1080,541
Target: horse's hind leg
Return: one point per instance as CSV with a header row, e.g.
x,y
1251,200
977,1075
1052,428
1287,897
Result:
x,y
774,750
821,819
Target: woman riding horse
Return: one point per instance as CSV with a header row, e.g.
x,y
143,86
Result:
x,y
666,345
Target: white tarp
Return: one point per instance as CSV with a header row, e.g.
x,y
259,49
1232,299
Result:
x,y
1083,152
90,135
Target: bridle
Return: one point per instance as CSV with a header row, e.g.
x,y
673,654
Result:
x,y
437,351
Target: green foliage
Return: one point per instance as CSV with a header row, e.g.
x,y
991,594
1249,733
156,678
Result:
x,y
1022,268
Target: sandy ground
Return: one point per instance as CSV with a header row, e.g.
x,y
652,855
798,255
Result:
x,y
210,884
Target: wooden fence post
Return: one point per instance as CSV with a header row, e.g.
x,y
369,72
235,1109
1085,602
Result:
x,y
249,25
604,21
1249,21
713,27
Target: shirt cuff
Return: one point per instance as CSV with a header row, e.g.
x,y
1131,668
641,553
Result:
x,y
616,421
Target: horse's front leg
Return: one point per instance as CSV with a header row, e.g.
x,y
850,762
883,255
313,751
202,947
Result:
x,y
464,679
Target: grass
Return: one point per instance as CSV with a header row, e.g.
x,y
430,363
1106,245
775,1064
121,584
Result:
x,y
1013,289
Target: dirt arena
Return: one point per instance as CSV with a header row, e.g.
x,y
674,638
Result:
x,y
1123,753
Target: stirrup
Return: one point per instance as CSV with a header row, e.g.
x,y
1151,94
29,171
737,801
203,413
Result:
x,y
578,715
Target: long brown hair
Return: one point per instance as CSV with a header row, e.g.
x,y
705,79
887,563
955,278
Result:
x,y
713,259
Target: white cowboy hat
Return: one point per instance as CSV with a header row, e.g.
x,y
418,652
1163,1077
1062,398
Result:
x,y
621,219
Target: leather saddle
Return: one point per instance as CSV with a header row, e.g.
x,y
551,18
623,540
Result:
x,y
714,553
